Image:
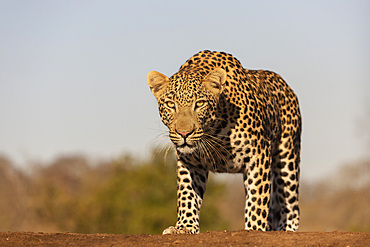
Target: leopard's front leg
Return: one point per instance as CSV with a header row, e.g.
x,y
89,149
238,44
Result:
x,y
257,184
191,185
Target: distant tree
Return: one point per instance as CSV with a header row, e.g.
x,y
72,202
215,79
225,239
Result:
x,y
340,202
14,203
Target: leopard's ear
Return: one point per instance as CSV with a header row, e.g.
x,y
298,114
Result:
x,y
157,83
215,81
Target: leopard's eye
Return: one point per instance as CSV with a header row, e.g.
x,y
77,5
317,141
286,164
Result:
x,y
199,104
170,104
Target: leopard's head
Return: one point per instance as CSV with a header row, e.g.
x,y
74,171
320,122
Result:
x,y
187,104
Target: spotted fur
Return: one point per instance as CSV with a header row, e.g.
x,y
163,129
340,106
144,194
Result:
x,y
224,118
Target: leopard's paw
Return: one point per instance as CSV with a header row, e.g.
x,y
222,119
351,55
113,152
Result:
x,y
174,230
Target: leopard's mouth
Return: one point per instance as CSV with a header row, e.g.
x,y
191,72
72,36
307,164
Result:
x,y
185,144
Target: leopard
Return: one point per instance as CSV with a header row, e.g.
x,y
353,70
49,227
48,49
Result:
x,y
223,118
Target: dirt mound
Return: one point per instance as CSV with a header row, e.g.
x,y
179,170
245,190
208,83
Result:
x,y
216,238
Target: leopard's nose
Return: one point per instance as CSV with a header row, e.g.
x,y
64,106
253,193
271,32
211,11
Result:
x,y
185,133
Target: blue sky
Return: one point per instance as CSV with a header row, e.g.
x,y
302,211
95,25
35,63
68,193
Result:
x,y
73,73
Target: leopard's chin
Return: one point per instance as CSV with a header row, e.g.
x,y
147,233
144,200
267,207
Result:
x,y
185,149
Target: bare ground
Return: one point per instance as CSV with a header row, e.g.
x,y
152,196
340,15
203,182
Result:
x,y
214,238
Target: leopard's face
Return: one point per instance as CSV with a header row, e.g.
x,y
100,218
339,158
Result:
x,y
187,106
187,109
